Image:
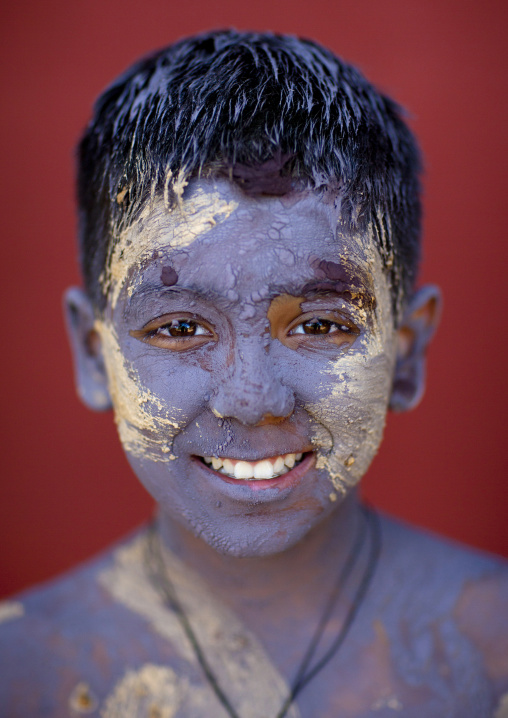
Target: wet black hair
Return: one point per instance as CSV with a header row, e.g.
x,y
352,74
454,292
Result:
x,y
257,105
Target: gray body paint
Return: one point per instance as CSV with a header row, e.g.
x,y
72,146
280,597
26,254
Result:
x,y
104,628
233,255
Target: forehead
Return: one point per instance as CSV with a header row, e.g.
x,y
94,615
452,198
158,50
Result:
x,y
218,239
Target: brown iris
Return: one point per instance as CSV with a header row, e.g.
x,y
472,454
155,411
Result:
x,y
181,328
317,326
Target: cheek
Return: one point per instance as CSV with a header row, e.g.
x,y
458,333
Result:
x,y
151,404
349,416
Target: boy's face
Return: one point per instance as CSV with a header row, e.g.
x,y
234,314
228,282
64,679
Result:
x,y
247,329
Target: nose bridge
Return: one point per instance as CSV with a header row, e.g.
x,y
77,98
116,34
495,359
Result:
x,y
252,390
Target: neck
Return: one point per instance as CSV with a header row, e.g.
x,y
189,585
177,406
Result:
x,y
309,566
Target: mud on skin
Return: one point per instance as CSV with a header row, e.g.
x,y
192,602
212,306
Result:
x,y
248,329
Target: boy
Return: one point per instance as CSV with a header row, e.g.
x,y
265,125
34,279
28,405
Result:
x,y
249,226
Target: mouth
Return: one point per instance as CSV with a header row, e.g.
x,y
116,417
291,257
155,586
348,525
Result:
x,y
285,472
272,467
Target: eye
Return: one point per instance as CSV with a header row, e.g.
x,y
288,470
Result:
x,y
320,332
176,333
318,326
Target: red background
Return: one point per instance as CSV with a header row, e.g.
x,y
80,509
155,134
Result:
x,y
67,490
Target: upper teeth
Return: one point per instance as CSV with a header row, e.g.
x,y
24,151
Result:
x,y
264,469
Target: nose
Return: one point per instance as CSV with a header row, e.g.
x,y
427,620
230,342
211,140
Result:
x,y
250,389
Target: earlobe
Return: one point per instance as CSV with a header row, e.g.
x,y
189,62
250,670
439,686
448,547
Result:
x,y
89,370
414,334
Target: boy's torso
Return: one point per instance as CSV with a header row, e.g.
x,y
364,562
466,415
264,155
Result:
x,y
431,639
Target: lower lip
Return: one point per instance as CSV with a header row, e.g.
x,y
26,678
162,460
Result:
x,y
279,483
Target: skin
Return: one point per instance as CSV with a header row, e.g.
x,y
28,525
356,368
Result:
x,y
292,348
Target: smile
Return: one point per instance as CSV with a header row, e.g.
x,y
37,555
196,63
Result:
x,y
269,468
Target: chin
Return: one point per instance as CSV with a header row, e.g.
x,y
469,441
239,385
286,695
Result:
x,y
256,538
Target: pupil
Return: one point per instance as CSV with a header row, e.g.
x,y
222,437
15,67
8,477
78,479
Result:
x,y
182,328
317,326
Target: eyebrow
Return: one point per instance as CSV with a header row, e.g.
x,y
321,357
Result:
x,y
357,292
158,290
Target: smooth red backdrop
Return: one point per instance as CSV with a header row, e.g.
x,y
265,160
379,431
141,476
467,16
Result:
x,y
67,490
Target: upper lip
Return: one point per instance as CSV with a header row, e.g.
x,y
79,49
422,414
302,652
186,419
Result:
x,y
246,457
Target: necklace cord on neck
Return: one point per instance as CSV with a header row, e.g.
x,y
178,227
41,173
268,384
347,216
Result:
x,y
300,679
161,580
159,576
375,550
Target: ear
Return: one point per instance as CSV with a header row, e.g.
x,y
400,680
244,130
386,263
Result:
x,y
89,370
415,331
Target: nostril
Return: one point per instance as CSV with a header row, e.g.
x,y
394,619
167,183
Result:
x,y
251,402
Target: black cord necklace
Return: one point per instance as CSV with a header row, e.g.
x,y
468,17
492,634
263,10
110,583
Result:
x,y
159,577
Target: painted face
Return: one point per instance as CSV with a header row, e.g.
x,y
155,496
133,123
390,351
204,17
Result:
x,y
250,349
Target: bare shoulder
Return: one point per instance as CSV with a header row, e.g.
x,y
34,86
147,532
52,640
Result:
x,y
452,601
64,643
447,566
43,631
